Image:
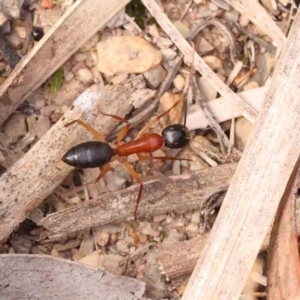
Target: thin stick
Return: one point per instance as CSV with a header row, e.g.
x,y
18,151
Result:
x,y
256,189
248,112
74,28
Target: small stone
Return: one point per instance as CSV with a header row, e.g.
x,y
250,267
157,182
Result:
x,y
155,76
15,41
251,85
54,253
204,46
80,57
110,228
41,126
36,216
73,200
213,7
191,230
159,218
113,238
196,217
168,54
153,31
244,21
198,1
182,28
111,263
213,62
126,54
102,238
69,76
93,260
115,181
15,127
178,223
11,250
21,32
67,246
85,75
232,16
90,43
169,220
179,82
167,101
118,79
148,230
122,247
173,237
208,92
176,167
143,238
87,246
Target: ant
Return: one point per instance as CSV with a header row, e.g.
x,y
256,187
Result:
x,y
96,154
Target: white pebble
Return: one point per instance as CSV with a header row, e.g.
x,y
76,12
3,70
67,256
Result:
x,y
101,238
148,230
213,7
179,82
213,62
80,57
196,217
232,15
69,77
169,220
85,75
191,230
244,21
159,218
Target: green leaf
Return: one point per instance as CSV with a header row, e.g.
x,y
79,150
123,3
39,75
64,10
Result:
x,y
56,81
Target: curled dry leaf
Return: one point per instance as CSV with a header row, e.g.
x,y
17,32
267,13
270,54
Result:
x,y
126,54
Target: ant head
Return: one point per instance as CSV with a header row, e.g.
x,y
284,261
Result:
x,y
176,136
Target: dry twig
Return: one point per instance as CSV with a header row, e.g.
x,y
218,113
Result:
x,y
177,193
259,182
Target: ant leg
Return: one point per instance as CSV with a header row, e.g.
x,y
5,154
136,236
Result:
x,y
156,119
137,177
150,157
122,133
96,134
104,170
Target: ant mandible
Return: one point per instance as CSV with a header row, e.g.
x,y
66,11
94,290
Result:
x,y
96,154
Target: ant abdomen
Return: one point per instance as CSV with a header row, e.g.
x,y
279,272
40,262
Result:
x,y
89,155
